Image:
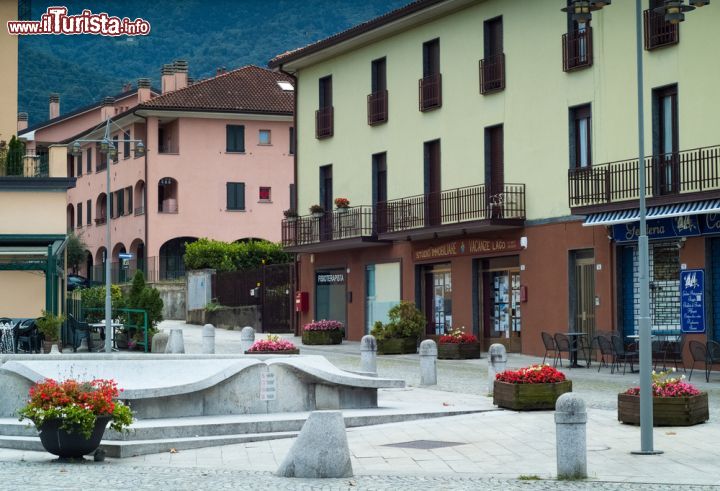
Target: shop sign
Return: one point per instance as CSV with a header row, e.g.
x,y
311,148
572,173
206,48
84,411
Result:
x,y
710,223
330,279
466,247
692,301
664,228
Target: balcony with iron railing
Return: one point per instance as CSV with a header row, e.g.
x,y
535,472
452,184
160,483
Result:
x,y
377,107
577,49
676,177
430,92
23,164
471,209
339,229
324,122
492,74
658,31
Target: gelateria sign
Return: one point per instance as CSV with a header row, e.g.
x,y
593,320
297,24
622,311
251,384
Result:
x,y
465,247
667,228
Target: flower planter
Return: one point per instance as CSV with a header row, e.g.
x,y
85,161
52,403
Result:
x,y
342,210
71,445
458,351
397,346
526,397
322,337
285,352
667,411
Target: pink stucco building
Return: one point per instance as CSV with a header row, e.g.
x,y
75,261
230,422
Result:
x,y
219,164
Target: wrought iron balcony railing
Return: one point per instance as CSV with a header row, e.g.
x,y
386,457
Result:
x,y
430,92
672,174
377,103
473,203
346,223
324,122
492,74
577,49
658,31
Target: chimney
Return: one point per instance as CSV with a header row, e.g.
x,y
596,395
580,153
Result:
x,y
22,121
54,105
190,81
181,74
168,78
107,110
144,93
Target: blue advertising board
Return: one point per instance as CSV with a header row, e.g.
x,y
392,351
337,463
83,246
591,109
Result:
x,y
692,301
668,228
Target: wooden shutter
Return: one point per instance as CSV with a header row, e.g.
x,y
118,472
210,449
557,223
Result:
x,y
89,160
79,221
111,212
129,200
292,141
241,195
230,196
88,211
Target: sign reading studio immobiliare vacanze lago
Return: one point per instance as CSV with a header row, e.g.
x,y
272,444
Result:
x,y
465,247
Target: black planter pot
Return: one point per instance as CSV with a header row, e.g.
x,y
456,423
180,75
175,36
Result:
x,y
71,445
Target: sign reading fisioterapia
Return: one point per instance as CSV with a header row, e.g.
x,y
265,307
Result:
x,y
57,21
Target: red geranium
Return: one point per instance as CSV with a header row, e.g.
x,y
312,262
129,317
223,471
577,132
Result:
x,y
457,336
534,374
666,386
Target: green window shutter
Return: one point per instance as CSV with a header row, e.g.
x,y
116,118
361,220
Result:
x,y
130,200
228,142
88,211
241,196
112,208
235,136
241,139
121,203
230,196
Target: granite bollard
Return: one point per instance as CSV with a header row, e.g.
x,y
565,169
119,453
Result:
x,y
570,436
368,354
54,350
159,342
247,338
175,344
428,362
208,339
497,361
321,449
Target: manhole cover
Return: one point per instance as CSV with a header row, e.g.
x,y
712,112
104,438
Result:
x,y
597,448
424,444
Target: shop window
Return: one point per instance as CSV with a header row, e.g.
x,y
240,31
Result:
x,y
382,292
330,295
437,298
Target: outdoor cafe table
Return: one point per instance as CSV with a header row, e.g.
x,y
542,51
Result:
x,y
7,339
574,353
100,326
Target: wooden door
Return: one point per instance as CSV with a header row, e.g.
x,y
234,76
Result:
x,y
494,170
433,185
585,296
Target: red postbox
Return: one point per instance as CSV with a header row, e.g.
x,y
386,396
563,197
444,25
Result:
x,y
301,302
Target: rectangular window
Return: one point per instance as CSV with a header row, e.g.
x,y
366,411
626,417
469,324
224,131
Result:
x,y
235,138
326,187
126,145
431,83
236,196
264,137
89,161
580,136
88,211
79,220
324,116
379,178
264,193
495,170
378,98
117,149
292,141
112,205
325,88
431,58
378,75
120,203
666,160
79,164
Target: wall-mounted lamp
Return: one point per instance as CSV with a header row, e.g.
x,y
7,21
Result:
x,y
523,242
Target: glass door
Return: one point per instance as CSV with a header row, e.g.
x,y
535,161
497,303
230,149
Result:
x,y
438,299
504,316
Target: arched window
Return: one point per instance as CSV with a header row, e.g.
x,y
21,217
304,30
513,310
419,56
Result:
x,y
139,197
70,217
101,209
167,195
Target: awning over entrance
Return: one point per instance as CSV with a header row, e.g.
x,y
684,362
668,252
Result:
x,y
653,213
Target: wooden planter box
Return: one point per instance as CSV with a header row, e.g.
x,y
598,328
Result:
x,y
286,352
667,411
458,351
322,337
397,346
526,397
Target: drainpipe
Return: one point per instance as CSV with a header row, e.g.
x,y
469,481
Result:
x,y
294,204
145,207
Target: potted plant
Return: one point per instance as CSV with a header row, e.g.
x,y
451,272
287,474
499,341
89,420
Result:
x,y
290,215
458,345
49,326
342,204
533,387
317,211
675,402
273,345
323,332
401,334
71,415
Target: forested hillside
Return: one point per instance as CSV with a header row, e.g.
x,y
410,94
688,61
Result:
x,y
207,33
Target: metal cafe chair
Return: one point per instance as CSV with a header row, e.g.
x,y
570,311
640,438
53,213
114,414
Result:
x,y
699,353
621,353
564,345
27,337
713,357
674,353
606,349
550,346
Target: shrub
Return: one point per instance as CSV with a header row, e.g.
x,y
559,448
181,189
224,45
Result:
x,y
94,298
49,325
224,256
406,321
147,298
14,157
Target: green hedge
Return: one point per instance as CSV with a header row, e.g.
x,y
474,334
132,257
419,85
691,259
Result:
x,y
224,256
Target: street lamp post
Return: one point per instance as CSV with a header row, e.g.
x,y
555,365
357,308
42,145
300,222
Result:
x,y
674,13
107,147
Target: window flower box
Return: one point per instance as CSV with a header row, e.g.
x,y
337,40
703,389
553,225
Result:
x,y
532,388
458,345
323,332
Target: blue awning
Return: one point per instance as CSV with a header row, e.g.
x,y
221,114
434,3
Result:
x,y
653,213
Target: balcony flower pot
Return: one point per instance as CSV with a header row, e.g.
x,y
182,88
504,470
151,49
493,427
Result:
x,y
458,345
397,346
533,388
323,332
675,403
317,215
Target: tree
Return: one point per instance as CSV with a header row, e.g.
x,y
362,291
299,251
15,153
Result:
x,y
76,251
146,298
14,158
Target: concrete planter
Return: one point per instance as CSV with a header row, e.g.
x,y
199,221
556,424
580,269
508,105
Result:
x,y
528,397
667,411
397,346
322,337
286,352
458,351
